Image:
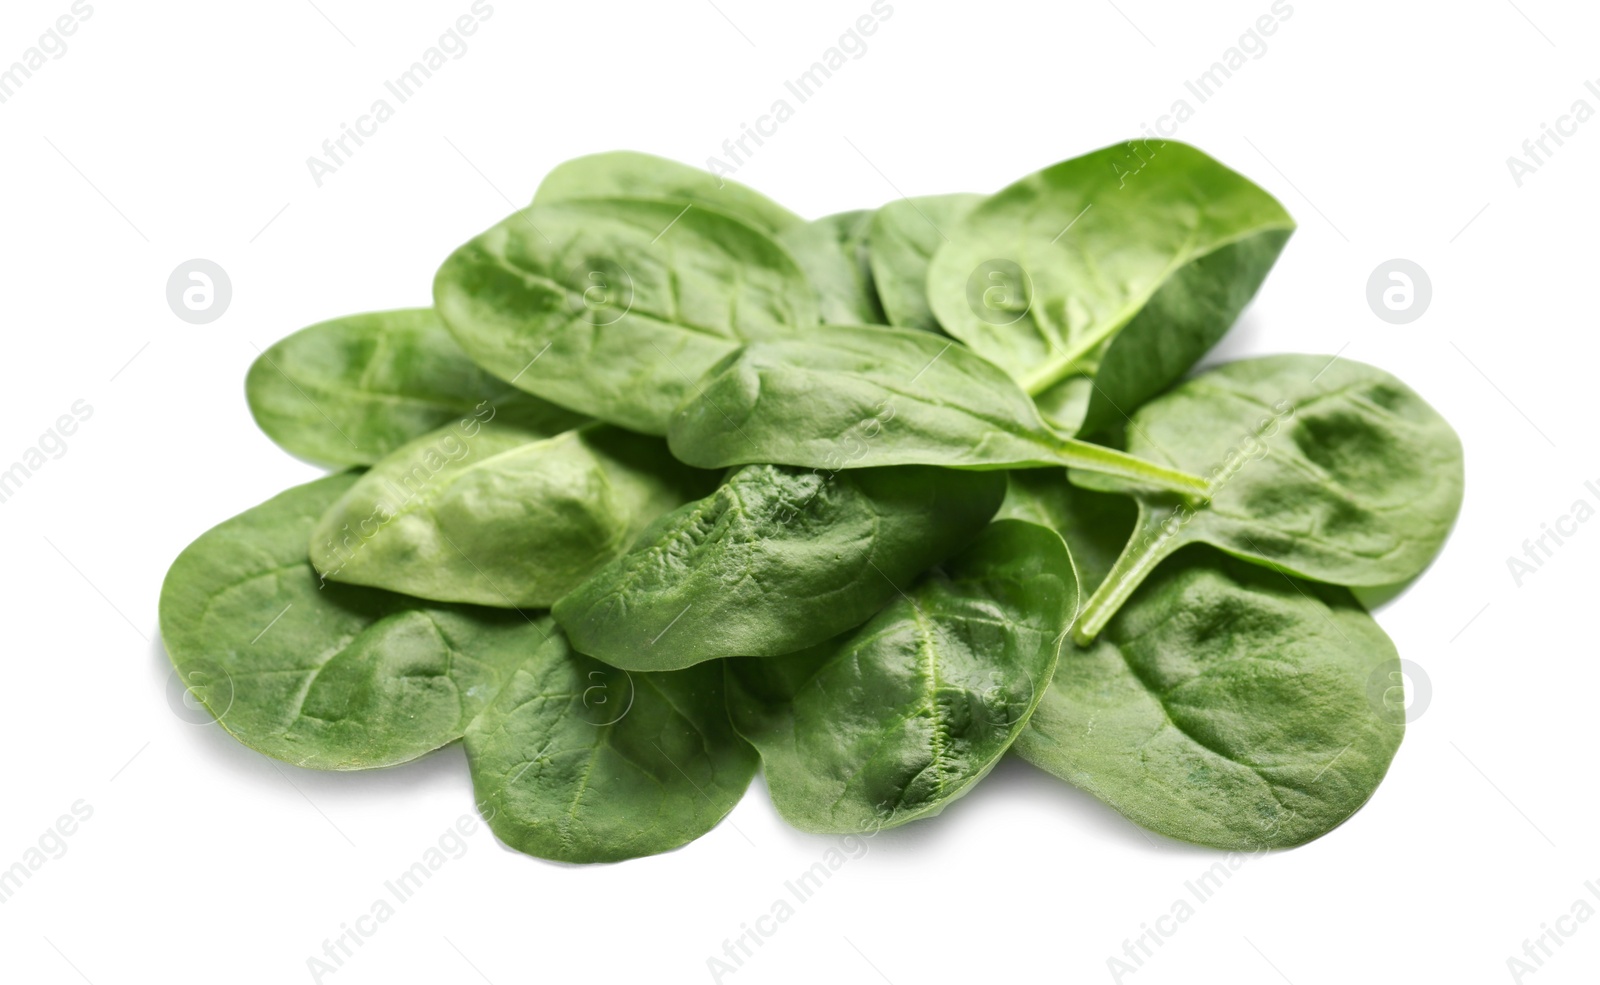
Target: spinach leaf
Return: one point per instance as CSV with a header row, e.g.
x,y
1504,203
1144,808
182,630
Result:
x,y
1095,525
629,174
1178,325
578,762
351,390
613,307
854,397
1226,705
833,253
500,515
1065,406
326,676
1042,275
904,236
775,560
1325,469
896,719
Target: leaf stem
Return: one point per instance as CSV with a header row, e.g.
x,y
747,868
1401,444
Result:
x,y
1151,543
1108,461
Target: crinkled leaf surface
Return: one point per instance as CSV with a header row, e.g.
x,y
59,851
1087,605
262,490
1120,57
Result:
x,y
498,514
629,174
775,560
327,676
833,253
1326,469
901,243
1226,704
894,720
1156,239
579,762
614,307
351,390
857,396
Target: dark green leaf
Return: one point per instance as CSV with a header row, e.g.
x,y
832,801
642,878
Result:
x,y
1226,704
1323,468
578,762
775,560
855,397
894,720
1095,525
1153,238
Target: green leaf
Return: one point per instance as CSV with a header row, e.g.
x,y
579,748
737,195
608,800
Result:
x,y
614,307
775,560
1157,240
629,174
1095,525
855,397
833,253
500,515
896,719
904,236
1324,468
326,676
1181,322
578,762
1226,704
351,390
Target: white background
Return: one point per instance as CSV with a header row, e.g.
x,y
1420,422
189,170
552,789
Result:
x,y
175,130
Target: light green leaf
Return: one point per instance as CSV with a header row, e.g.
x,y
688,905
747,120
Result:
x,y
629,174
904,236
833,253
351,390
326,676
614,307
500,515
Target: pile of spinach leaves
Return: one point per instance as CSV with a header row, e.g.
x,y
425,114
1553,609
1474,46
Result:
x,y
670,485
